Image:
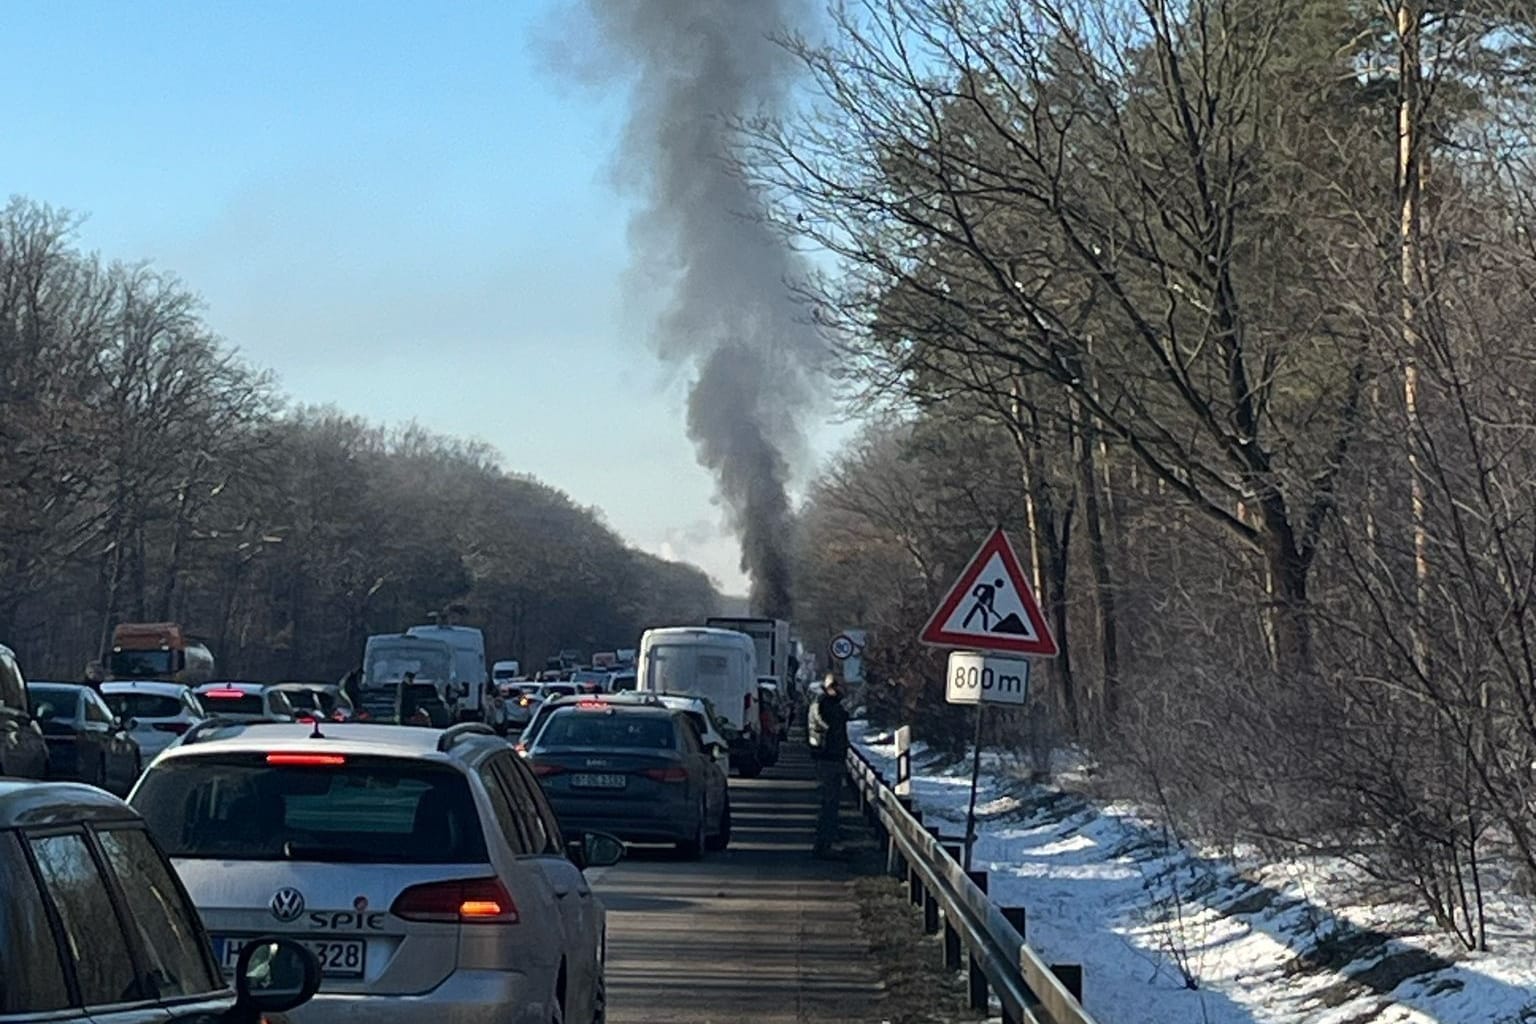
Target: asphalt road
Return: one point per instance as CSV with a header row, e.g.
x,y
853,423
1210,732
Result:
x,y
760,933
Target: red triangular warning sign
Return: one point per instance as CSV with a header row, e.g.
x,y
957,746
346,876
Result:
x,y
990,607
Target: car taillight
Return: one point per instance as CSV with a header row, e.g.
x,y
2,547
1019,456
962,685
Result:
x,y
542,769
338,716
225,694
462,901
671,773
179,728
307,760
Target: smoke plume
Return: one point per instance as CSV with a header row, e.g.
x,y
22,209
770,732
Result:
x,y
695,65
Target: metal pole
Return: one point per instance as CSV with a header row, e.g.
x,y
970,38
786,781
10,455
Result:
x,y
970,815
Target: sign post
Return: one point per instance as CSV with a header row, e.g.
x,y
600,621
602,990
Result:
x,y
991,611
904,761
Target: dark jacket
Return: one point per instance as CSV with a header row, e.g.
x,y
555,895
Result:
x,y
828,728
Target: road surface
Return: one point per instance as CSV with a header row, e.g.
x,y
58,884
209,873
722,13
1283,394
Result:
x,y
760,933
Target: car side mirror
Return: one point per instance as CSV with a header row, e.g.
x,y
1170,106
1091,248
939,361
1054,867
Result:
x,y
275,975
595,850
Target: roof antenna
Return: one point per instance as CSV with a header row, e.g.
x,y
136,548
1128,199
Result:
x,y
317,734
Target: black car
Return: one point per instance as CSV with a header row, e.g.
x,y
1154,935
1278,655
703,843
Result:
x,y
635,771
86,741
96,928
23,751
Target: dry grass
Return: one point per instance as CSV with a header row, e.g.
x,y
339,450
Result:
x,y
911,964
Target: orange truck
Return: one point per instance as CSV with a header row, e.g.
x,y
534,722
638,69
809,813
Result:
x,y
158,650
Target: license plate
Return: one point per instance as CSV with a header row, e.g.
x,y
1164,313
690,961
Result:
x,y
599,781
339,958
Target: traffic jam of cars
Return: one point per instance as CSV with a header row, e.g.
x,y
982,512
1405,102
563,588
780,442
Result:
x,y
411,839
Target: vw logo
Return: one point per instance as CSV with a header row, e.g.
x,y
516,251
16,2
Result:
x,y
287,904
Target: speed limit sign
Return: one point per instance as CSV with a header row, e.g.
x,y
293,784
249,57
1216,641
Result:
x,y
843,647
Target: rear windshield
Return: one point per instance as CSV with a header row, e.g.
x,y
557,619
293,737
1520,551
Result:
x,y
580,728
366,811
245,704
143,705
60,697
323,701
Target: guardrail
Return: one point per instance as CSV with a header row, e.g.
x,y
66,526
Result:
x,y
979,936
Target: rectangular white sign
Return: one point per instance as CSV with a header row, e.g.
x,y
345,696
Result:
x,y
986,679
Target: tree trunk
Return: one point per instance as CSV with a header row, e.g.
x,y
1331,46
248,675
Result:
x,y
1289,610
1094,510
1411,171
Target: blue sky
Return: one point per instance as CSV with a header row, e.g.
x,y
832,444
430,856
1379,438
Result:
x,y
396,207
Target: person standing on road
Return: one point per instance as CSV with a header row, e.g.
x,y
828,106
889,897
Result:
x,y
828,734
95,675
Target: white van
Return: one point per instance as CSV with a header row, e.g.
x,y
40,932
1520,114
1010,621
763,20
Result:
x,y
718,664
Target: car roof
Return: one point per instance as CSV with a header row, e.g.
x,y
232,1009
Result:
x,y
353,738
616,707
155,686
23,802
300,685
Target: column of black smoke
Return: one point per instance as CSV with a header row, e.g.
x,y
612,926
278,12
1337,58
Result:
x,y
696,64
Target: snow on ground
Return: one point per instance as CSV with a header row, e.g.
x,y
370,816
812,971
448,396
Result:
x,y
1274,944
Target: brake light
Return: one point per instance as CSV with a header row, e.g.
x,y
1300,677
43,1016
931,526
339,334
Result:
x,y
542,769
462,901
671,773
179,728
225,694
591,705
307,760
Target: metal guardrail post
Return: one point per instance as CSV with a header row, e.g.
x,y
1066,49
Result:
x,y
976,987
1071,976
953,953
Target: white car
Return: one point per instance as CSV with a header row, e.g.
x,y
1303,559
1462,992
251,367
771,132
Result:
x,y
424,867
246,702
703,715
161,712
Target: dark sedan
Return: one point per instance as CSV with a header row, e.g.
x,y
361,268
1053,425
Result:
x,y
634,771
85,740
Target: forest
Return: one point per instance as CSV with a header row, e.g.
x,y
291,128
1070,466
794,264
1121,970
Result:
x,y
151,473
1225,309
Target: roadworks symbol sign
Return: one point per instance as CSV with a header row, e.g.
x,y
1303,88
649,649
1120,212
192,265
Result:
x,y
990,607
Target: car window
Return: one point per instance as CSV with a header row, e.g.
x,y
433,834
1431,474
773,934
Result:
x,y
364,810
129,704
556,841
582,728
234,702
688,735
95,710
506,816
54,703
95,941
31,977
280,704
167,924
539,839
13,692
